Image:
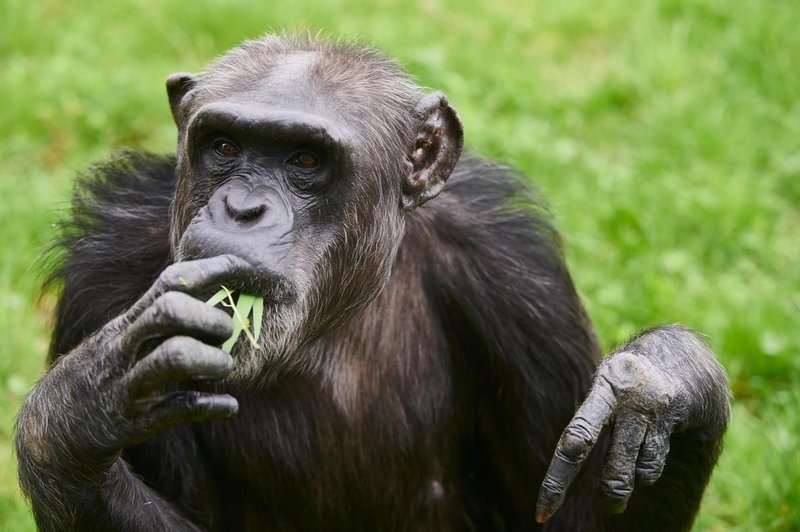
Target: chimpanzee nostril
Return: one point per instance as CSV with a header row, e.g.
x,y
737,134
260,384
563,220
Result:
x,y
244,207
250,214
239,206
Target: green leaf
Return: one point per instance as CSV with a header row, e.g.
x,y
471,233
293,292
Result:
x,y
218,297
241,311
258,316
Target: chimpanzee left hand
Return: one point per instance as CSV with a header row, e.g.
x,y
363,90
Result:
x,y
645,391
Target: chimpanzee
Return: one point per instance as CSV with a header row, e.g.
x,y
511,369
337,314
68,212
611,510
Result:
x,y
417,363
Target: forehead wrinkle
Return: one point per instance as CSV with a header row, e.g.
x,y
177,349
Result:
x,y
285,83
347,85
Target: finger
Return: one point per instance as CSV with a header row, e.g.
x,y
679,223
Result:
x,y
175,313
178,358
575,444
653,454
616,482
189,406
192,277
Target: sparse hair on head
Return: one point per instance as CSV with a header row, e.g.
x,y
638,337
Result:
x,y
360,78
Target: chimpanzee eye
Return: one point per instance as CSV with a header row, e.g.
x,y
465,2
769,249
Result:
x,y
225,148
304,159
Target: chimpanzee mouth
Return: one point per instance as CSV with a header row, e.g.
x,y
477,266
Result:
x,y
254,306
274,290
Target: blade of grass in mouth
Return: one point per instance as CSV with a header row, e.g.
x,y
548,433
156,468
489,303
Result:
x,y
242,323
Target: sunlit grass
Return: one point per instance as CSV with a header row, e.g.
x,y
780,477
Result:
x,y
665,134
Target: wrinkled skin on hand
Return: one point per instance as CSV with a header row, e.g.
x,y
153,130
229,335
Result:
x,y
112,386
665,380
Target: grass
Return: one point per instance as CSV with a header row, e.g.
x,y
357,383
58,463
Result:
x,y
665,134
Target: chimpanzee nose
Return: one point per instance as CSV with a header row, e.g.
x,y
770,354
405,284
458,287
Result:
x,y
239,206
245,206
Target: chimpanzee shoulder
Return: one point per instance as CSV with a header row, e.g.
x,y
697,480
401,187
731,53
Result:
x,y
495,267
496,235
113,245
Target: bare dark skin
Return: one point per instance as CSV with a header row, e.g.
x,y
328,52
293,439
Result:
x,y
637,394
379,316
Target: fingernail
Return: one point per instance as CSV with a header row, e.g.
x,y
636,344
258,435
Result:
x,y
542,516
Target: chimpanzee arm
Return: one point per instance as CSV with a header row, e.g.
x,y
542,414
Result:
x,y
113,500
108,394
665,385
663,389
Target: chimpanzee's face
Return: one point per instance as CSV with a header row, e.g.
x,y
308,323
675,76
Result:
x,y
277,175
304,170
267,183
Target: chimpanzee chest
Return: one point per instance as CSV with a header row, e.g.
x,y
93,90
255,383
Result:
x,y
295,462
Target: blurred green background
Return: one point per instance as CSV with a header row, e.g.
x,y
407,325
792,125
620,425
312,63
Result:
x,y
666,136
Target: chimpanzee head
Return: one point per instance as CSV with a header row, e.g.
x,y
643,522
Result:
x,y
301,157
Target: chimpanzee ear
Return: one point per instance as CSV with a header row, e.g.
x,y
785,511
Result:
x,y
437,147
177,87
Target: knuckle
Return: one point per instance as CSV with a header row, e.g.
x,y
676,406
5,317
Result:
x,y
619,488
552,488
648,473
173,277
149,370
648,463
228,262
637,382
172,298
658,439
166,306
624,361
649,402
198,405
649,452
232,263
175,345
186,355
621,370
176,353
575,442
191,401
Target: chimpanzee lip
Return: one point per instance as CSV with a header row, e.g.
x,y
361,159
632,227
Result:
x,y
274,288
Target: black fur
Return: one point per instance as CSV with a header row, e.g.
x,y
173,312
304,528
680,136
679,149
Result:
x,y
115,243
463,385
493,273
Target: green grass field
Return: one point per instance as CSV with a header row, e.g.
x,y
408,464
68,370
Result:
x,y
666,136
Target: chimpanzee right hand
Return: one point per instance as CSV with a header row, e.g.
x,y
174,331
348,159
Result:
x,y
108,392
